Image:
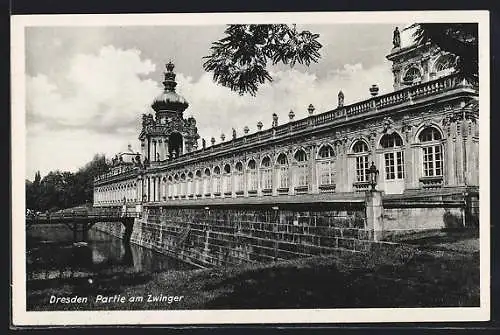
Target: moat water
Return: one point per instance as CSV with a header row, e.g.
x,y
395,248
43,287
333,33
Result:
x,y
50,254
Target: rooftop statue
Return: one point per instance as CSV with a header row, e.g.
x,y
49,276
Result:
x,y
396,38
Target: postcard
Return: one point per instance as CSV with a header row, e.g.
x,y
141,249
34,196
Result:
x,y
242,168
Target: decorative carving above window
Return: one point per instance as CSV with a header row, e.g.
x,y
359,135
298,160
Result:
x,y
445,63
412,76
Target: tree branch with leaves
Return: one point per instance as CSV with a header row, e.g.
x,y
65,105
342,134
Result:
x,y
239,60
460,39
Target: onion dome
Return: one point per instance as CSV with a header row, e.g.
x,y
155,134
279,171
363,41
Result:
x,y
169,100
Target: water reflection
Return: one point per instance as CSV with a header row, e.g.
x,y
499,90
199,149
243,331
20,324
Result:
x,y
51,254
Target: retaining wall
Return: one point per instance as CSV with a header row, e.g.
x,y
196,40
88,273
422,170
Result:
x,y
236,234
229,236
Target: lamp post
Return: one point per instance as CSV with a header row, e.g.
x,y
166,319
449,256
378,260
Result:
x,y
373,175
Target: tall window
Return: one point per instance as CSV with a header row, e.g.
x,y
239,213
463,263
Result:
x,y
301,168
252,176
432,152
198,182
190,190
217,181
183,185
170,187
282,162
239,177
164,188
176,185
266,182
360,148
207,189
394,157
326,165
227,179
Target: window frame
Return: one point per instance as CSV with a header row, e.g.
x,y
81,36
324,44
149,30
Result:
x,y
431,141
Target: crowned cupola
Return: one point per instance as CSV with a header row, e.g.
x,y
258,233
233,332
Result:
x,y
169,101
168,135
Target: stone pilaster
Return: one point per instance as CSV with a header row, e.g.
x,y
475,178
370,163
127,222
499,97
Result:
x,y
449,154
459,154
150,149
259,177
158,198
374,214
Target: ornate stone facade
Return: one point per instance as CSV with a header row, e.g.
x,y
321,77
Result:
x,y
423,136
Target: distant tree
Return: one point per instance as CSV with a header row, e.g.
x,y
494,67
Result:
x,y
85,176
51,191
33,191
30,196
460,39
37,179
59,190
239,60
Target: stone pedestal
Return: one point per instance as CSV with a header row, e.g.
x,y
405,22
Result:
x,y
374,214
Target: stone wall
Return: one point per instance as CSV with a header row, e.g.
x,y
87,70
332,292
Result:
x,y
431,212
231,236
422,218
235,234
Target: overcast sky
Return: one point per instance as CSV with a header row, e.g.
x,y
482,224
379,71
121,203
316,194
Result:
x,y
87,87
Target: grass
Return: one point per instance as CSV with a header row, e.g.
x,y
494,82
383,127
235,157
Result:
x,y
440,272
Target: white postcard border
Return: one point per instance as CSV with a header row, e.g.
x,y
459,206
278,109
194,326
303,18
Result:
x,y
21,317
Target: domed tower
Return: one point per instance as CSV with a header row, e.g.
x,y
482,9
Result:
x,y
168,135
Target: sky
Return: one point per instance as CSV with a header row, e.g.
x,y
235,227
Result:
x,y
87,87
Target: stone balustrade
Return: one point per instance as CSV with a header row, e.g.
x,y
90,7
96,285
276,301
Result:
x,y
377,103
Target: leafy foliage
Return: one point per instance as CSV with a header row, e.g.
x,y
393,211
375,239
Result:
x,y
460,39
64,189
239,60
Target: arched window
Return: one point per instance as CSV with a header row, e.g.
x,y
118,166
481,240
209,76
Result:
x,y
444,65
360,148
198,183
175,145
432,152
176,185
301,168
217,181
252,176
239,178
412,76
282,163
266,181
393,157
164,188
326,165
227,180
170,187
207,190
190,190
183,185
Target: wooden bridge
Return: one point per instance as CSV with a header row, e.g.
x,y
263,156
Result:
x,y
81,220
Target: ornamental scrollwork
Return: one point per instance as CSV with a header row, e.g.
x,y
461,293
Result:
x,y
388,124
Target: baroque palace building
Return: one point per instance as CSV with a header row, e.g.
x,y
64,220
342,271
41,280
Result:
x,y
423,137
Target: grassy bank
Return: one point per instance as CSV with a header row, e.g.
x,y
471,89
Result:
x,y
439,272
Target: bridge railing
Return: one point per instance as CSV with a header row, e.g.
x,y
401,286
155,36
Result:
x,y
100,214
